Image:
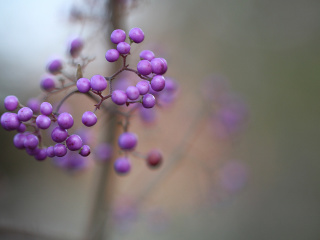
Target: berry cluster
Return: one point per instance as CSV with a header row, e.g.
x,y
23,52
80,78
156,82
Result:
x,y
38,116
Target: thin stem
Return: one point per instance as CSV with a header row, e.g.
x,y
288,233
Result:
x,y
64,99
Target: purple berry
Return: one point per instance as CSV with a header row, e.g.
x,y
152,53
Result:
x,y
43,121
65,120
122,165
98,83
10,121
165,65
22,128
18,140
34,104
146,55
136,35
31,141
144,67
118,36
59,134
11,103
154,158
74,142
50,152
46,108
59,150
47,83
83,85
25,114
75,47
41,154
148,101
158,66
123,48
89,119
112,55
103,152
54,66
32,151
132,92
127,140
158,83
119,97
85,151
143,87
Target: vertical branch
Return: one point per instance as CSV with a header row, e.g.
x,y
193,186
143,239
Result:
x,y
97,220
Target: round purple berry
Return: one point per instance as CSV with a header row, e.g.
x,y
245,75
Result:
x,y
34,104
112,55
65,120
43,122
136,35
132,92
85,151
144,67
25,114
89,119
59,150
118,36
50,152
158,66
31,141
41,154
59,134
119,97
83,85
146,55
10,121
158,83
127,140
148,101
98,83
75,47
47,83
143,87
46,108
165,65
122,165
54,66
123,48
18,140
11,102
32,151
74,142
22,128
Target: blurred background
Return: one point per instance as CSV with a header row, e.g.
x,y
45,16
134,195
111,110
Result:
x,y
240,142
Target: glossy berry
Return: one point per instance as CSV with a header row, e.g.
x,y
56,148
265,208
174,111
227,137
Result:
x,y
112,55
54,66
118,36
89,119
83,85
11,103
43,122
119,97
158,66
41,154
22,128
34,104
146,55
25,114
32,151
18,140
75,47
59,150
122,165
143,87
154,158
98,83
46,108
31,141
165,66
59,134
65,120
85,151
50,152
127,140
136,35
74,142
158,83
144,67
132,92
47,83
148,100
123,48
10,121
